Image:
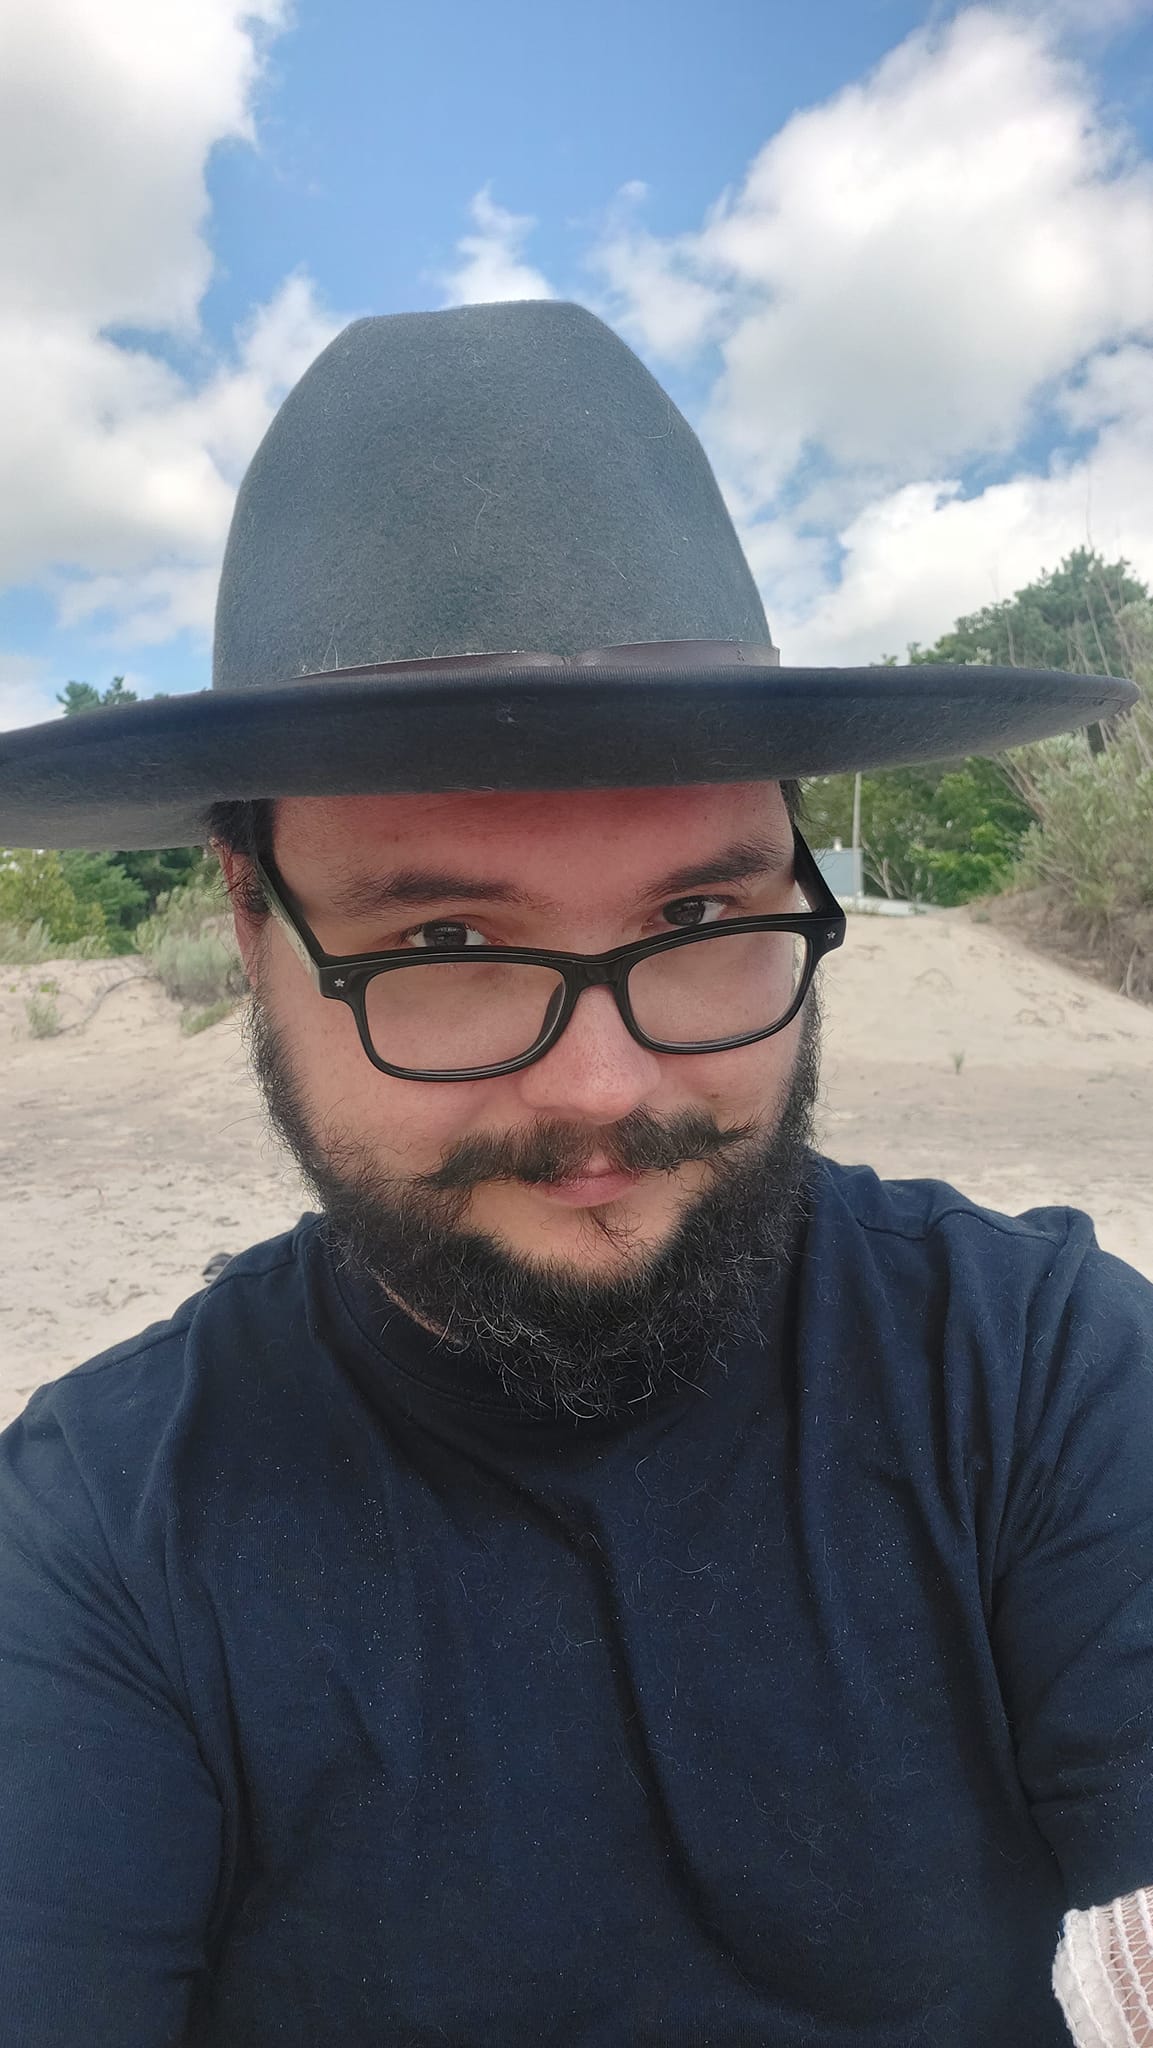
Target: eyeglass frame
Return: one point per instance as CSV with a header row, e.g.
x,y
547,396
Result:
x,y
344,978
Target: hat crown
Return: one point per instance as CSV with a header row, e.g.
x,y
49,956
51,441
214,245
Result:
x,y
477,480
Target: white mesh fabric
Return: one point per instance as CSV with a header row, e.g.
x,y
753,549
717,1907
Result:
x,y
1103,1973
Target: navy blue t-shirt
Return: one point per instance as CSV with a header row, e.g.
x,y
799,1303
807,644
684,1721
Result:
x,y
342,1703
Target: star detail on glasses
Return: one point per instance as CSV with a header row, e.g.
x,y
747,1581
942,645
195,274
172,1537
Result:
x,y
340,981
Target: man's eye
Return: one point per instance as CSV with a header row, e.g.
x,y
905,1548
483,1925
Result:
x,y
445,935
690,911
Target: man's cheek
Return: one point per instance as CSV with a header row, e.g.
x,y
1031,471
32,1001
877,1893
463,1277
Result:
x,y
740,1089
410,1123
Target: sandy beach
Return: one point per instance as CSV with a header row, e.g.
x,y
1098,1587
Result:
x,y
130,1153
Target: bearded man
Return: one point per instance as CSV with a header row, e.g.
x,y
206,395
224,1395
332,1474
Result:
x,y
612,1575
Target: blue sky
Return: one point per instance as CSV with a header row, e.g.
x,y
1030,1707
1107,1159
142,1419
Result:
x,y
895,262
379,124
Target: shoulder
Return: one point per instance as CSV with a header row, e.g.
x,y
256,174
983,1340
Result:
x,y
1025,1278
119,1411
1031,1297
928,1224
248,1277
917,1209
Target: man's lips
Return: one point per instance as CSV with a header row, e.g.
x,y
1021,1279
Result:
x,y
589,1189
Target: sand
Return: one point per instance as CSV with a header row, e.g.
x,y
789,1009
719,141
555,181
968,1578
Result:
x,y
130,1153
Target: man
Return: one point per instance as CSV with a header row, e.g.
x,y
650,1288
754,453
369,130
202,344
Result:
x,y
613,1575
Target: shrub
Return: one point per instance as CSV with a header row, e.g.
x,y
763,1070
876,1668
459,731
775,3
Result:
x,y
194,1021
28,945
188,943
1090,849
34,889
197,967
42,1013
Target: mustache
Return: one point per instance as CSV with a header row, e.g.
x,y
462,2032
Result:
x,y
552,1153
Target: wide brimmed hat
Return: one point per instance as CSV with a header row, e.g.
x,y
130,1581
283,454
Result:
x,y
481,549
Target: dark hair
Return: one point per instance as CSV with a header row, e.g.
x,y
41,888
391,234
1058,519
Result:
x,y
244,825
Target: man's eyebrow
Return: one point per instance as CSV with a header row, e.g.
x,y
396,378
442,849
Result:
x,y
373,895
739,862
370,895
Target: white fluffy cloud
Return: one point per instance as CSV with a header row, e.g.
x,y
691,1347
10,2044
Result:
x,y
120,471
107,114
910,285
491,265
660,290
24,689
925,553
926,310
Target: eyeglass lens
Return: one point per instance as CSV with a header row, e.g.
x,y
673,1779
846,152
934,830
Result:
x,y
450,1015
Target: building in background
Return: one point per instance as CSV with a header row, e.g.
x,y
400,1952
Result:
x,y
843,868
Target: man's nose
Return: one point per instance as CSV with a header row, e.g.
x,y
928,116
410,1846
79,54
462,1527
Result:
x,y
596,1070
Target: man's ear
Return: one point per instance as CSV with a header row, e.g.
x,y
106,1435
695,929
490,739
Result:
x,y
243,895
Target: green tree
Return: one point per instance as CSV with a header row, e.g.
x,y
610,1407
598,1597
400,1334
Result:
x,y
156,874
947,831
127,885
34,889
1069,618
101,878
77,697
935,833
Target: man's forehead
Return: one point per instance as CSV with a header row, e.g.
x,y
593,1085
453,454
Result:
x,y
525,823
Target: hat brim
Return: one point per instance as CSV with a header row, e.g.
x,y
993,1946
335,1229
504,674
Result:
x,y
141,776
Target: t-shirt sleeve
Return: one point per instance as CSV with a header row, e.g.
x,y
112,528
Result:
x,y
1072,1623
109,1821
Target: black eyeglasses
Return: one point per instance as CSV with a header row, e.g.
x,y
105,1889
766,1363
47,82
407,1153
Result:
x,y
467,1013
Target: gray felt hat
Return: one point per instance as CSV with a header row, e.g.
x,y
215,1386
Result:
x,y
482,549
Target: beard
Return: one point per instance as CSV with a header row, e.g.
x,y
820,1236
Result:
x,y
555,1341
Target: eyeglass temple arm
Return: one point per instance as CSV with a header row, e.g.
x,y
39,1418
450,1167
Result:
x,y
808,870
273,897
